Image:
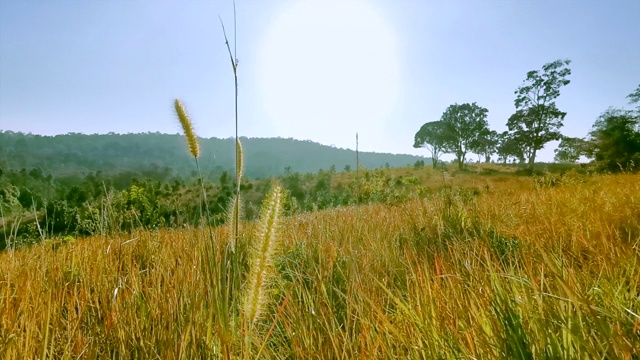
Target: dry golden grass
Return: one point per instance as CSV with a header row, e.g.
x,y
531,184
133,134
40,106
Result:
x,y
512,270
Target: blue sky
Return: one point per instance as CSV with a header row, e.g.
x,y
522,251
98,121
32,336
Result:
x,y
318,70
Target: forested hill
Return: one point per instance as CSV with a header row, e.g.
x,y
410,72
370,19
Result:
x,y
74,154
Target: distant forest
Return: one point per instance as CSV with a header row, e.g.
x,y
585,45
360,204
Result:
x,y
79,184
166,156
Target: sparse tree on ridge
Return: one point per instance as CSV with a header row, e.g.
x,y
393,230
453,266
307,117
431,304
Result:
x,y
537,119
431,136
464,125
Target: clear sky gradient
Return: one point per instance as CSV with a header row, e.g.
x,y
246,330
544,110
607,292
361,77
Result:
x,y
317,70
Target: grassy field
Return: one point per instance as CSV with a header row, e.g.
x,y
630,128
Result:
x,y
485,267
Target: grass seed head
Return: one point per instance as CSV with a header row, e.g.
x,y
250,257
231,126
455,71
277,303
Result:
x,y
262,255
187,127
239,161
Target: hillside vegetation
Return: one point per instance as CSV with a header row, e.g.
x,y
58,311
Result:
x,y
166,155
486,267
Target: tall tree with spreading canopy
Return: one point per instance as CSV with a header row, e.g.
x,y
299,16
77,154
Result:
x,y
464,125
431,136
537,119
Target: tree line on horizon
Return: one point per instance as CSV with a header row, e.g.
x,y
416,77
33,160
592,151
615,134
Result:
x,y
613,142
163,155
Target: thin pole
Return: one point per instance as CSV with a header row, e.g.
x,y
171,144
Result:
x,y
357,157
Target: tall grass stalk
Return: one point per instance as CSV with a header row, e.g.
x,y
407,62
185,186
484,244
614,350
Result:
x,y
236,203
225,264
234,65
194,149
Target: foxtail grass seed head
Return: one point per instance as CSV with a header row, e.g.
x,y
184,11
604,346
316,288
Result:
x,y
187,127
233,217
262,256
239,161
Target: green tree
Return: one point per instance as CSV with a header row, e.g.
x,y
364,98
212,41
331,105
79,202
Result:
x,y
570,150
293,183
508,147
615,140
537,119
463,127
225,193
486,144
431,136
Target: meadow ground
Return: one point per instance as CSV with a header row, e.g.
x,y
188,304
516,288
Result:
x,y
484,267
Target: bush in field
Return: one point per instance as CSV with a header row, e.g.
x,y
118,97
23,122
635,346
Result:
x,y
615,140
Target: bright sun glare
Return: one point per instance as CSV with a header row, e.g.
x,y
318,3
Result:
x,y
329,69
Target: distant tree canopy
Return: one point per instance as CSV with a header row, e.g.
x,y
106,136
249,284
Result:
x,y
431,136
508,147
570,150
463,128
486,144
537,119
614,141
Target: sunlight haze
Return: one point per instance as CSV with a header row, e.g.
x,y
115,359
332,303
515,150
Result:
x,y
325,76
